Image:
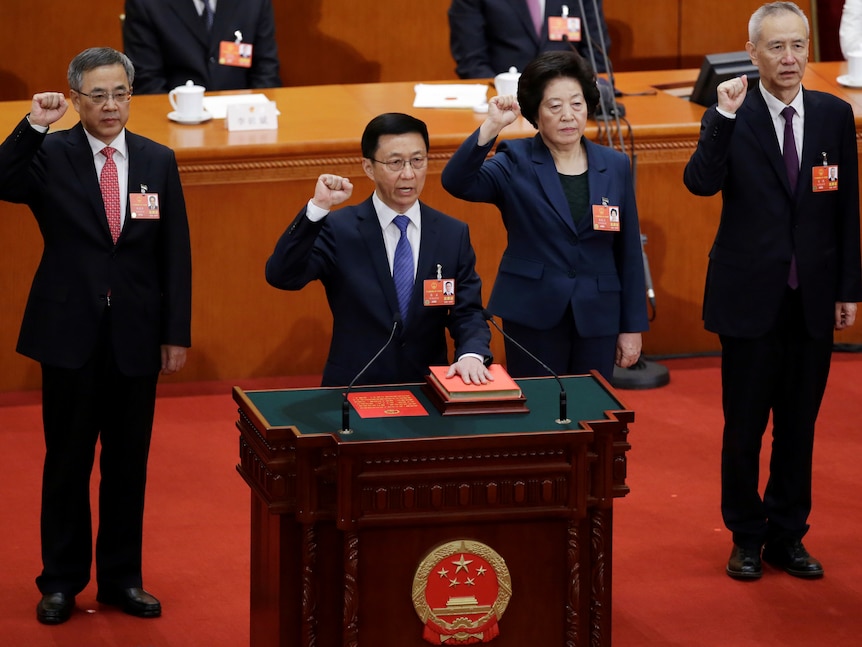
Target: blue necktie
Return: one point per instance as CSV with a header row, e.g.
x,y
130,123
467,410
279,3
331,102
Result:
x,y
402,267
791,162
208,15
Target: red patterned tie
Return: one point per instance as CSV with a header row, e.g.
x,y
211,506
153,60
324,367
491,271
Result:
x,y
110,185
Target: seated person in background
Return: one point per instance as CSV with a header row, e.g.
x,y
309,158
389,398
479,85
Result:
x,y
174,41
850,29
378,261
488,37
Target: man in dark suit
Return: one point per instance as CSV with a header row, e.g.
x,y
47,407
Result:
x,y
784,272
488,37
109,309
170,42
353,252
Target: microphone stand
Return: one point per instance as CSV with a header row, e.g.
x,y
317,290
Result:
x,y
564,417
345,403
607,105
643,374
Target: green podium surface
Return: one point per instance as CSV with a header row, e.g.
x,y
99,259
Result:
x,y
341,523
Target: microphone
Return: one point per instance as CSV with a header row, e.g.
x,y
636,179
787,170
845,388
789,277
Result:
x,y
563,419
345,404
608,106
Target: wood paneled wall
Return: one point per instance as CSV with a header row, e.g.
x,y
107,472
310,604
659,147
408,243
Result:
x,y
343,41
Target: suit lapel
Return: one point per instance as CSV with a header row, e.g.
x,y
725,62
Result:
x,y
757,118
600,183
80,157
188,15
224,22
138,171
522,12
812,134
546,171
369,232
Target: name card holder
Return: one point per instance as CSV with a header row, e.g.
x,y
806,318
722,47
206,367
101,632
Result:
x,y
251,116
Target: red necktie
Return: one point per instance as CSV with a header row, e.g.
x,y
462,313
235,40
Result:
x,y
791,163
110,185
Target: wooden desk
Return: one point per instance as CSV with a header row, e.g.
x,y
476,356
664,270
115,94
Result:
x,y
341,523
243,189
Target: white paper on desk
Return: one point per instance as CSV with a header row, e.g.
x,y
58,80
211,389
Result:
x,y
217,106
454,95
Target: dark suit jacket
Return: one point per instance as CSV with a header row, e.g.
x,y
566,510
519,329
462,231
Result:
x,y
148,271
488,37
169,45
763,223
550,263
345,251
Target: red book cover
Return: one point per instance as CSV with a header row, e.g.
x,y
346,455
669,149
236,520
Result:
x,y
453,388
386,404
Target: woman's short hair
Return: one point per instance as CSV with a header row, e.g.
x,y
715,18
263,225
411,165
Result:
x,y
549,66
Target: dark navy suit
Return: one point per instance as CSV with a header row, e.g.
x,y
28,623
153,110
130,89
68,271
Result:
x,y
169,45
776,342
487,37
346,252
550,264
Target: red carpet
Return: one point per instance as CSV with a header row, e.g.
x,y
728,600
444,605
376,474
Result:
x,y
670,546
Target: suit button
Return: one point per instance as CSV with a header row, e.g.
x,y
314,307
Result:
x,y
572,274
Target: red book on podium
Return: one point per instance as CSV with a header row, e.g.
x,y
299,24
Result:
x,y
452,397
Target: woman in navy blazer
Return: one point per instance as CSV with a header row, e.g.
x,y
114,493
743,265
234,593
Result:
x,y
570,286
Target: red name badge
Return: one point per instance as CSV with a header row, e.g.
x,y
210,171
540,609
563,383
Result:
x,y
235,54
144,206
560,28
439,292
824,178
606,217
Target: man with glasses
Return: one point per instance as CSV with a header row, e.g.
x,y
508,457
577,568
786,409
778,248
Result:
x,y
357,253
109,310
784,274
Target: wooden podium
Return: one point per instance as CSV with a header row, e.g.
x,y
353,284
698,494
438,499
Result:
x,y
341,523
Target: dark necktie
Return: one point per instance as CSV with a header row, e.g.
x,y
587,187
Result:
x,y
402,267
110,185
791,163
208,15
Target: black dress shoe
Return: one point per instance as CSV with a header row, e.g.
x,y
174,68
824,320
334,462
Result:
x,y
792,557
744,563
55,608
134,601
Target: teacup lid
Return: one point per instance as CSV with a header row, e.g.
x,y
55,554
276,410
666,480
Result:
x,y
189,87
512,75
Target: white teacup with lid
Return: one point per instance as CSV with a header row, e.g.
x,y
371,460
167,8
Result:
x,y
188,101
507,82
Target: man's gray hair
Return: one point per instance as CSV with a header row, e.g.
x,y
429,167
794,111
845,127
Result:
x,y
95,57
755,25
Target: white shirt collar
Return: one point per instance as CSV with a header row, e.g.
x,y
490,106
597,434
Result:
x,y
386,215
119,144
776,105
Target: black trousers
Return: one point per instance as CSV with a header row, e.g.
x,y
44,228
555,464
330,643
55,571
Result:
x,y
80,407
783,373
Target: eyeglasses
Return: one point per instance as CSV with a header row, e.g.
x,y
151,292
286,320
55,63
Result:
x,y
98,98
396,166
